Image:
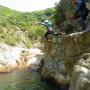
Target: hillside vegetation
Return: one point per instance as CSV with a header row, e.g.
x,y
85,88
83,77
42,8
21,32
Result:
x,y
22,28
17,28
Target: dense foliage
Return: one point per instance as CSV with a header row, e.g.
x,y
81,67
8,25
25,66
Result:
x,y
17,27
13,22
63,11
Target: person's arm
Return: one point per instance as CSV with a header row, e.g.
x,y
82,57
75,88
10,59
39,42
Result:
x,y
43,23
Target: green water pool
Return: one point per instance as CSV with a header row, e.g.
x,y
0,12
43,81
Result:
x,y
25,80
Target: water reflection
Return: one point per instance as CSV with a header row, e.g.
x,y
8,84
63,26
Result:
x,y
24,80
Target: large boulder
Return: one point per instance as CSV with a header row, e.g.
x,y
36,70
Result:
x,y
54,68
14,57
61,59
74,45
81,74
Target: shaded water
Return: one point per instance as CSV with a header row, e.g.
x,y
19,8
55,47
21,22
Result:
x,y
25,80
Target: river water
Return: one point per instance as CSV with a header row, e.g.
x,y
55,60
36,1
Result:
x,y
25,80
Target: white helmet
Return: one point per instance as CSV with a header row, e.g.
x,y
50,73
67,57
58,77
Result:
x,y
46,21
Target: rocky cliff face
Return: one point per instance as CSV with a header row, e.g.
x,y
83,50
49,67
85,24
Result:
x,y
67,60
54,67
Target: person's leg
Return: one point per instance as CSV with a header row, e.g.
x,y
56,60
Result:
x,y
77,16
46,35
84,15
83,24
52,32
